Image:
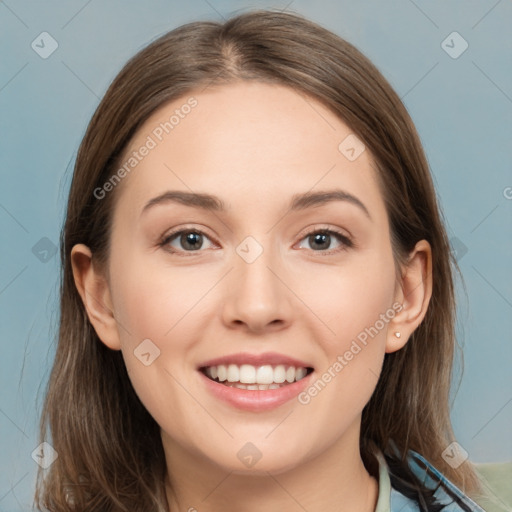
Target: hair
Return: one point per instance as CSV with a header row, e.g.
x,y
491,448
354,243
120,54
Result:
x,y
91,410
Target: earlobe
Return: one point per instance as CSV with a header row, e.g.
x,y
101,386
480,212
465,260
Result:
x,y
414,293
95,293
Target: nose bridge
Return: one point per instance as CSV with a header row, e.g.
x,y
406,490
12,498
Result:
x,y
252,269
254,294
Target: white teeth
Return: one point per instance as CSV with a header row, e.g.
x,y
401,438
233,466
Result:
x,y
233,374
247,376
279,374
222,373
265,375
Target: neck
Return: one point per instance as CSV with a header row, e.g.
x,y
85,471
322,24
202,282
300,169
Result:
x,y
335,480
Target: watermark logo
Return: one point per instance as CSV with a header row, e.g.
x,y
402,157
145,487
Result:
x,y
351,147
44,45
344,359
249,249
44,250
146,352
157,135
44,455
455,455
454,45
249,455
459,249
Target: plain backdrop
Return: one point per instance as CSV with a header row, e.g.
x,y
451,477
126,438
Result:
x,y
460,99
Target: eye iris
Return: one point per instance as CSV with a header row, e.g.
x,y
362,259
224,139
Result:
x,y
321,238
191,240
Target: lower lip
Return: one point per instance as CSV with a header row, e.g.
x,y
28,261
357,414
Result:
x,y
256,400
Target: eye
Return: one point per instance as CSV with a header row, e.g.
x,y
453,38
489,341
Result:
x,y
321,240
188,240
193,240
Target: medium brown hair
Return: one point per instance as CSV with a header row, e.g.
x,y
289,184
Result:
x,y
91,409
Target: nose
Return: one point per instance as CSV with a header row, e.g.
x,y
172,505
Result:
x,y
257,298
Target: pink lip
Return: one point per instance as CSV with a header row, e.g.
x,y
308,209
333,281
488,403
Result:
x,y
255,400
267,358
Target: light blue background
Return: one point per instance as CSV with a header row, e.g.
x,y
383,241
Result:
x,y
462,108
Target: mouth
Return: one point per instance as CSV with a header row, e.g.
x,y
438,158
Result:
x,y
252,378
255,382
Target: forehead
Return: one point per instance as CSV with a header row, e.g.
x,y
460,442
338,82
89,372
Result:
x,y
247,142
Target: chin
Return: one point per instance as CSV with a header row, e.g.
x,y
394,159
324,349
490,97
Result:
x,y
249,460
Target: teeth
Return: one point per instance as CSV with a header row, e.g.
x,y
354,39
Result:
x,y
265,374
233,374
300,373
279,374
247,376
222,373
261,387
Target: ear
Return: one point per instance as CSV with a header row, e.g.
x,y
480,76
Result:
x,y
95,293
414,291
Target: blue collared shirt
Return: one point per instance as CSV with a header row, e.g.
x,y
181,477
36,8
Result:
x,y
391,500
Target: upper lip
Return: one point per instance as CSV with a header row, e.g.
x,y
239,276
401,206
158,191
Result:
x,y
267,358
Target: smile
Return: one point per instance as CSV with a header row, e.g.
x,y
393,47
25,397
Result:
x,y
249,377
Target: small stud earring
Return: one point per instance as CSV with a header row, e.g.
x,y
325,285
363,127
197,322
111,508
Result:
x,y
398,334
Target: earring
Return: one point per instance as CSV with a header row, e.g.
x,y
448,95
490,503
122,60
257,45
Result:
x,y
398,334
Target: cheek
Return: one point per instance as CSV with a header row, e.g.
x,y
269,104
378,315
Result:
x,y
359,308
153,300
157,304
351,298
163,304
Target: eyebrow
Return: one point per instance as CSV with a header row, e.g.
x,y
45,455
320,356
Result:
x,y
213,203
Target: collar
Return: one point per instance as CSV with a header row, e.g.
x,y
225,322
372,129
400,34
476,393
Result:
x,y
391,500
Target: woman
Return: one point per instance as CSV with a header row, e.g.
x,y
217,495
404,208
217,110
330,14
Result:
x,y
257,302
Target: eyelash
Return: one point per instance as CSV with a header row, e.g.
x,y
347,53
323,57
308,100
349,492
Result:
x,y
342,238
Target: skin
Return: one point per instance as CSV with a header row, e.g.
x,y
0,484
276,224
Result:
x,y
254,145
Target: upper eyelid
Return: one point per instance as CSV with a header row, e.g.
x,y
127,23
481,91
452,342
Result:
x,y
167,236
305,232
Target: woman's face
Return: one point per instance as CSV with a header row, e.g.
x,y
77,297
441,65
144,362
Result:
x,y
295,270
